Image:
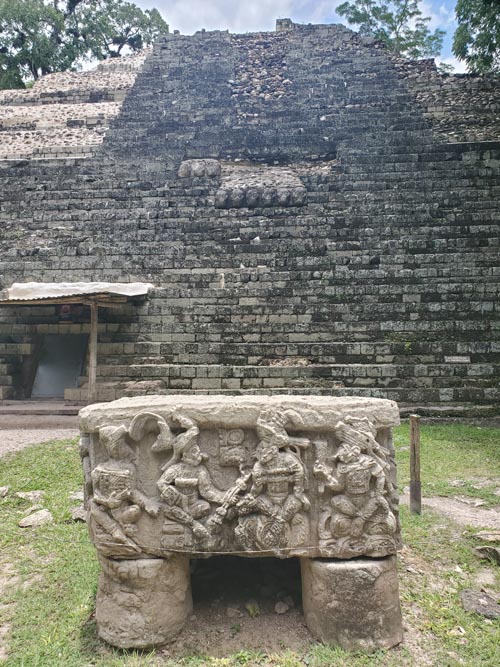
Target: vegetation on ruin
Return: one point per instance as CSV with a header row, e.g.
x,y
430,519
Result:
x,y
47,610
400,24
38,37
477,38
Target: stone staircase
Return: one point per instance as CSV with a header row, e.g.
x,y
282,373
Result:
x,y
384,283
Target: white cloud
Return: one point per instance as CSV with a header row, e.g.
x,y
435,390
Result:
x,y
442,16
458,65
239,16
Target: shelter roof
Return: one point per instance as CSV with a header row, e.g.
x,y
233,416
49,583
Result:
x,y
78,292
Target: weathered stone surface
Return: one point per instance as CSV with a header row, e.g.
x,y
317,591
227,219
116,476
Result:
x,y
173,477
66,113
353,604
37,518
277,475
385,279
32,496
259,186
480,603
202,168
78,513
143,602
488,552
281,607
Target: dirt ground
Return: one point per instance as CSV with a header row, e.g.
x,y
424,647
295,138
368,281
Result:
x,y
234,607
461,513
13,440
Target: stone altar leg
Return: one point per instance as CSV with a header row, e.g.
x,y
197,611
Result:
x,y
142,602
353,603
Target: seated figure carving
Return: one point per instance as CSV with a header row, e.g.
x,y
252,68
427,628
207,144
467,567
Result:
x,y
185,486
358,517
116,504
270,511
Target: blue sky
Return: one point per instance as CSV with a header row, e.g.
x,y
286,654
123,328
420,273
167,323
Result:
x,y
254,15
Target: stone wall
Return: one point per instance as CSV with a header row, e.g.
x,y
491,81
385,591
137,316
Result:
x,y
459,107
67,113
310,223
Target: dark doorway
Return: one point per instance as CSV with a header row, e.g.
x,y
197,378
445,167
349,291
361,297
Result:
x,y
61,361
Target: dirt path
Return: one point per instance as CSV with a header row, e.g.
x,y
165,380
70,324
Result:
x,y
461,513
13,440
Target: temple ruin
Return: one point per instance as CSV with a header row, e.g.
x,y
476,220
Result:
x,y
308,214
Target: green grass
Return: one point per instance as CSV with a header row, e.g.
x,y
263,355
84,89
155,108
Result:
x,y
469,456
49,610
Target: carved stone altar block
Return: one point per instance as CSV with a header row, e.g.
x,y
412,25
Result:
x,y
173,477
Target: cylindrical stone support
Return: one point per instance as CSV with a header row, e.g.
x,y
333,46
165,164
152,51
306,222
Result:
x,y
353,604
143,602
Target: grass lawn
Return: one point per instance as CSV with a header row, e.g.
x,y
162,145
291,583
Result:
x,y
48,575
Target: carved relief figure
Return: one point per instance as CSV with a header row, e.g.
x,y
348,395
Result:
x,y
116,504
271,512
358,517
186,488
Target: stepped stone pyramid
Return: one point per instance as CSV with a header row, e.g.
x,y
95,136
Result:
x,y
317,216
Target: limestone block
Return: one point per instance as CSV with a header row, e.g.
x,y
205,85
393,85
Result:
x,y
353,604
142,602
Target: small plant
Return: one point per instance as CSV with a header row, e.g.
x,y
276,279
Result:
x,y
235,628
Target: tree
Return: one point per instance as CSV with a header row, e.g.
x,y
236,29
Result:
x,y
106,27
477,38
42,36
400,24
30,40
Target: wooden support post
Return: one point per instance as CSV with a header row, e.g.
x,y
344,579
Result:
x,y
415,486
92,370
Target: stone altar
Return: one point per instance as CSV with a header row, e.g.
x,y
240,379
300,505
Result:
x,y
168,478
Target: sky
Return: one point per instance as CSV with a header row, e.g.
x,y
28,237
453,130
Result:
x,y
240,16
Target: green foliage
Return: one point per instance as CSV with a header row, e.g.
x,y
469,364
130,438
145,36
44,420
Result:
x,y
105,27
30,40
400,24
477,38
455,460
38,36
